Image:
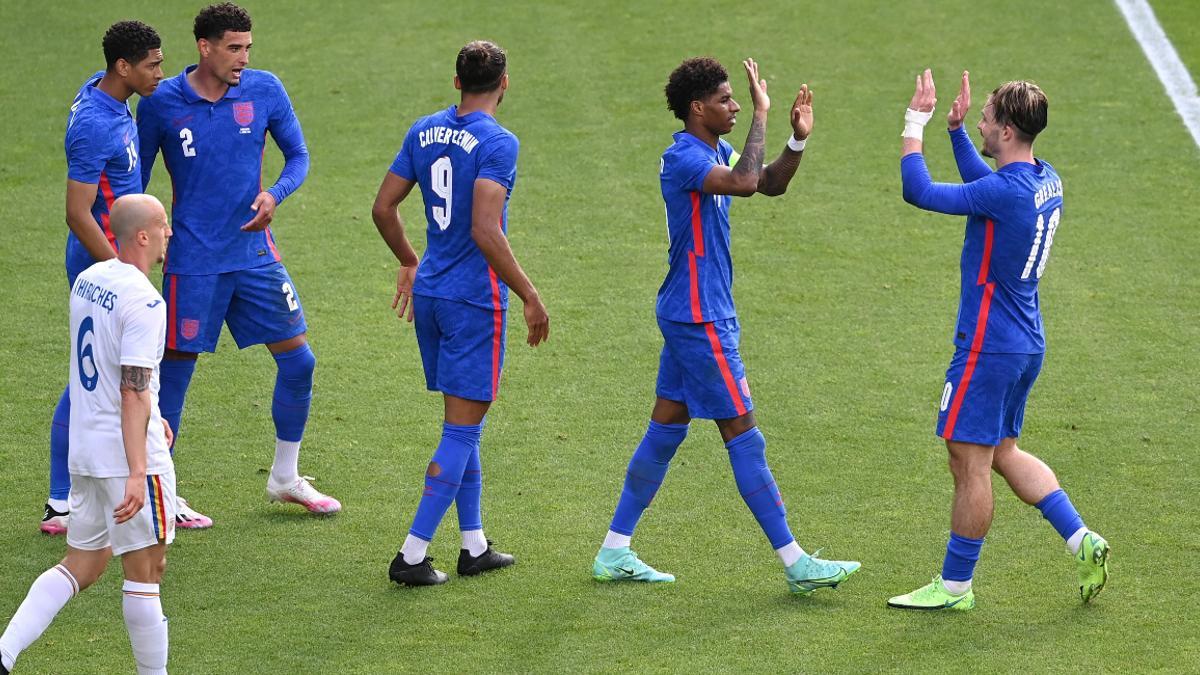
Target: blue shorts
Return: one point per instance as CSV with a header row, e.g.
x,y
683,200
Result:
x,y
462,347
700,367
260,305
984,398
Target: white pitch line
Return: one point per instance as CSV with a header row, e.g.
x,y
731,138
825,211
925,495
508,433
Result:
x,y
1167,64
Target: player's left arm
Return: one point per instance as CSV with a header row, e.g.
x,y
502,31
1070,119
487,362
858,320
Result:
x,y
285,129
775,177
919,188
391,227
135,421
487,209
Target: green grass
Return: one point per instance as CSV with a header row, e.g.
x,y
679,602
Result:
x,y
846,296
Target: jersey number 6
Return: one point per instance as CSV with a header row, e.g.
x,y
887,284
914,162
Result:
x,y
442,182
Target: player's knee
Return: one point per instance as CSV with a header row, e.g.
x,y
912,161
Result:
x,y
662,441
296,367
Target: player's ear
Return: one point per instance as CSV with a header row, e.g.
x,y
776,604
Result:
x,y
697,107
457,83
504,82
203,46
123,68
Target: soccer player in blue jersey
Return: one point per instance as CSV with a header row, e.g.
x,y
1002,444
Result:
x,y
700,372
465,164
102,165
211,123
1012,216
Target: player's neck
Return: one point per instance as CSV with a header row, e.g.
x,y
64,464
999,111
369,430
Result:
x,y
112,85
478,103
1015,155
697,129
207,85
130,256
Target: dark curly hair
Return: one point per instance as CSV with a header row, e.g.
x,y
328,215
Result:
x,y
693,80
214,20
480,65
129,40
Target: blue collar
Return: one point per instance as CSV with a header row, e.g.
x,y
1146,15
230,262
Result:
x,y
190,94
469,117
97,94
686,136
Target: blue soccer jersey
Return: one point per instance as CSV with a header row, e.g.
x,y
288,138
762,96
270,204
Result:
x,y
699,283
214,155
102,150
445,154
1012,216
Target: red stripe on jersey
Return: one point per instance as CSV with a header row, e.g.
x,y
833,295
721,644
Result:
x,y
987,254
697,226
497,332
271,244
694,283
723,366
172,327
969,369
106,191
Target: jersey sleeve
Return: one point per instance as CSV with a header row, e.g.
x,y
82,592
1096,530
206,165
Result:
x,y
402,166
977,198
144,330
499,160
688,169
86,154
285,129
150,129
970,165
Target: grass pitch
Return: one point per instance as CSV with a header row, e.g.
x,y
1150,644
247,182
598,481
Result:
x,y
846,296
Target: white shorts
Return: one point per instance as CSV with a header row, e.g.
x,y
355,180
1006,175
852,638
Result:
x,y
92,527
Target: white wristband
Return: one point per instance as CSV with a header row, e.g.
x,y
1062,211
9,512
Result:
x,y
914,123
797,145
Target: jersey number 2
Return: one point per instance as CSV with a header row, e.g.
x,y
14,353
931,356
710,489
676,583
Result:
x,y
1037,241
442,182
185,135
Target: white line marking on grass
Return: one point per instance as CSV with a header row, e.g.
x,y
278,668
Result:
x,y
1167,64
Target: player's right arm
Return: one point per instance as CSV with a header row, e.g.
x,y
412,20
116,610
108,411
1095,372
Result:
x,y
970,165
919,188
741,180
487,209
80,198
135,420
387,220
149,127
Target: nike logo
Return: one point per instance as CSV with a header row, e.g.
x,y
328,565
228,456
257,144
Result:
x,y
624,570
154,304
951,604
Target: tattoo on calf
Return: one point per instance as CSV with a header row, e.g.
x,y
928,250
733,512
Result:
x,y
135,378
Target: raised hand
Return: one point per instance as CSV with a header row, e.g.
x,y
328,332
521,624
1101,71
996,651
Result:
x,y
802,115
962,103
925,95
758,87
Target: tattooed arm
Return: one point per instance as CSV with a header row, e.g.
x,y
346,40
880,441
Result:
x,y
743,178
135,421
776,176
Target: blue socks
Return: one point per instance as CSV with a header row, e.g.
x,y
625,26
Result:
x,y
60,437
748,456
467,501
1056,507
961,555
647,469
174,377
444,476
293,392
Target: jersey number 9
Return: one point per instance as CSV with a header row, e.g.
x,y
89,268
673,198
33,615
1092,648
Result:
x,y
442,182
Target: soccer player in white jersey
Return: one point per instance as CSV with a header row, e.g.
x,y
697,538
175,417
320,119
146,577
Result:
x,y
122,480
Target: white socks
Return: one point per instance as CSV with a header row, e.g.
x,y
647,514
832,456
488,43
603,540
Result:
x,y
474,542
48,594
615,540
1076,540
147,627
59,505
286,468
956,587
414,549
790,553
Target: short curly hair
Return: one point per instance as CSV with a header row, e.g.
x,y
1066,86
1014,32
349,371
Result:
x,y
212,21
480,65
1022,104
129,40
693,80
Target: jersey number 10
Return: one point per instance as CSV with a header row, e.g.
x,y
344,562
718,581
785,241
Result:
x,y
1037,241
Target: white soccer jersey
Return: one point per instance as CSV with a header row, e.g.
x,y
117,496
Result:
x,y
117,319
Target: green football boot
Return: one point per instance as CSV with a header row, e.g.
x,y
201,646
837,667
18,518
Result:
x,y
934,596
622,564
1092,562
809,573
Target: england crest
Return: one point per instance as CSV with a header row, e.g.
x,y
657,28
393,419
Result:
x,y
190,328
243,113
